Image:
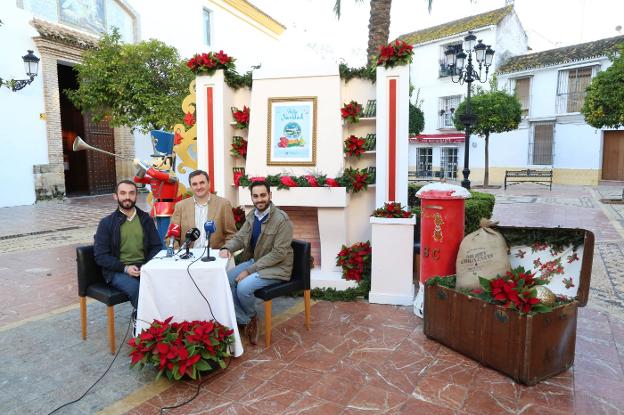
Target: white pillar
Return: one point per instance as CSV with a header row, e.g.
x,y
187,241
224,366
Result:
x,y
392,134
211,127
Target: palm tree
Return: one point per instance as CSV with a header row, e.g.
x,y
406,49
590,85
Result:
x,y
378,24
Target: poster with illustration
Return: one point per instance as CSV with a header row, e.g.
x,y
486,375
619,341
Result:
x,y
85,14
292,131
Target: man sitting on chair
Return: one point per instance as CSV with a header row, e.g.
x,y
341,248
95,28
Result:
x,y
265,238
125,240
195,211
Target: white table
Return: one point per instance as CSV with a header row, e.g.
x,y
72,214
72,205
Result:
x,y
167,290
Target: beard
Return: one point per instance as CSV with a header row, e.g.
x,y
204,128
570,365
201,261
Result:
x,y
262,206
126,204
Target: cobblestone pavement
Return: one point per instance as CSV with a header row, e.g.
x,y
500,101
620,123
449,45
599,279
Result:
x,y
358,358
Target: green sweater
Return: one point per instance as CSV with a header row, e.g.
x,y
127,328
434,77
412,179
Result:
x,y
131,249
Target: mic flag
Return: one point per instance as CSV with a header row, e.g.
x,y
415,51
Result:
x,y
209,228
174,230
192,235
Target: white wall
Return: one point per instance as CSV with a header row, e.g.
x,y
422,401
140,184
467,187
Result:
x,y
181,24
22,134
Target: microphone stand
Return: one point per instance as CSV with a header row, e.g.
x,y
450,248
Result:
x,y
187,254
208,258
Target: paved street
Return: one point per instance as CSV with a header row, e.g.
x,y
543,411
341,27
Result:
x,y
358,358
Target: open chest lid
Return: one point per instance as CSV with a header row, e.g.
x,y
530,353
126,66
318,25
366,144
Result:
x,y
563,256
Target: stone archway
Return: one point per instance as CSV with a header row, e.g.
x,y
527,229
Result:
x,y
60,45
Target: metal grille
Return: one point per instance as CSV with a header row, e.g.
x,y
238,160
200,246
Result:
x,y
571,88
447,109
541,143
448,162
446,70
424,162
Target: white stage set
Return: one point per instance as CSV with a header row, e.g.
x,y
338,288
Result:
x,y
342,217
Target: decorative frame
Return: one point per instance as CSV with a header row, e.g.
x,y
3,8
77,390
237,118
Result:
x,y
291,131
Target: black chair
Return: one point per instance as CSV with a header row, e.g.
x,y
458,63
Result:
x,y
91,284
299,280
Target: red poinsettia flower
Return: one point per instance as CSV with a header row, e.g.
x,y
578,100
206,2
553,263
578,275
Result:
x,y
189,119
312,181
288,181
222,57
237,177
258,179
331,182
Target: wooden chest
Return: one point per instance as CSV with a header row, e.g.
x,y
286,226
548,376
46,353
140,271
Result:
x,y
527,348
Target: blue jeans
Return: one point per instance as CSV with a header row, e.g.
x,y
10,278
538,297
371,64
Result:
x,y
129,285
243,291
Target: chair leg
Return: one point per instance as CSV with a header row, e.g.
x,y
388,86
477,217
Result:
x,y
268,306
83,317
306,302
111,328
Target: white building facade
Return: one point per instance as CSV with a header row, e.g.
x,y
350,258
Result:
x,y
553,134
439,150
39,122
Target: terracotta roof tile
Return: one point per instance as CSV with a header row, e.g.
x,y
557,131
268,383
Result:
x,y
63,34
457,26
574,53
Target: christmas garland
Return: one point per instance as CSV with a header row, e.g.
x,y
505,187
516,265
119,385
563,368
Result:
x,y
364,72
209,63
394,54
355,180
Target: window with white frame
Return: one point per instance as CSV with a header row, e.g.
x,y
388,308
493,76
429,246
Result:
x,y
446,70
424,162
448,162
208,27
448,105
571,88
522,91
541,143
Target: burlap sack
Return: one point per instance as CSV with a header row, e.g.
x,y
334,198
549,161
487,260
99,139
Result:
x,y
482,253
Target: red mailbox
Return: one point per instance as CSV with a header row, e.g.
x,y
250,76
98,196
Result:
x,y
441,232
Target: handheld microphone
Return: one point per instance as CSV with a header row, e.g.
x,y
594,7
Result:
x,y
210,228
191,236
173,232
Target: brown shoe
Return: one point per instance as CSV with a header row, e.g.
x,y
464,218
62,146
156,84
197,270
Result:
x,y
251,330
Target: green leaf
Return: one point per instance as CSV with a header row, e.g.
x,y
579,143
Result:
x,y
484,283
541,308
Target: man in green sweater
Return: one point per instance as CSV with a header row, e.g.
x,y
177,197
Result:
x,y
265,239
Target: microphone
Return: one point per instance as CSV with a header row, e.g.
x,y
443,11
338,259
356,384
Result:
x,y
191,236
210,228
173,232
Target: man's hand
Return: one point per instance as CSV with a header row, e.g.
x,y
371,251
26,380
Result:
x,y
133,271
242,276
224,253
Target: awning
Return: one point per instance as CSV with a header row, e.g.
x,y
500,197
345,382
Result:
x,y
438,138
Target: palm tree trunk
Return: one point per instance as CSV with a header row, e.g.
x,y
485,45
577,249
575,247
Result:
x,y
378,27
486,175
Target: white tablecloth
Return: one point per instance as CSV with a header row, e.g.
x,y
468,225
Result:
x,y
167,290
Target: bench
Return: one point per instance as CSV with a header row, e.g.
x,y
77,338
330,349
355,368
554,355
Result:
x,y
529,176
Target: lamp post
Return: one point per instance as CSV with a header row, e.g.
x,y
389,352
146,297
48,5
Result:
x,y
31,66
466,73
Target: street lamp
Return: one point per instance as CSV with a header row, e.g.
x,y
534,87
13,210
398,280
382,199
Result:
x,y
31,66
466,72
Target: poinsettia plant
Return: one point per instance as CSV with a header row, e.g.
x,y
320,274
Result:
x,y
355,260
351,112
208,63
354,146
355,180
392,210
184,349
394,54
239,216
239,147
241,117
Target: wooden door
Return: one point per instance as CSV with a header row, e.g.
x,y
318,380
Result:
x,y
613,156
100,166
